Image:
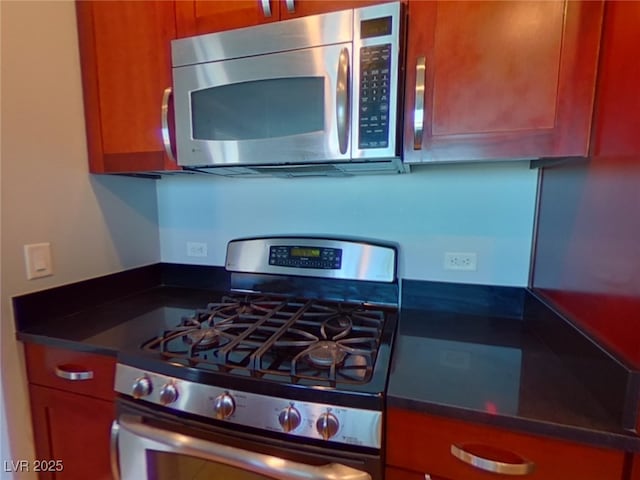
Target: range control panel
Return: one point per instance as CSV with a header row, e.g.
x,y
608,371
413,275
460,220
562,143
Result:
x,y
375,66
305,257
354,426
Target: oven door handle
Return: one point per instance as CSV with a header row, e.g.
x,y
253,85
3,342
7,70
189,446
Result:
x,y
267,465
115,463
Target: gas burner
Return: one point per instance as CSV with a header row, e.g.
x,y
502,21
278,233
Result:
x,y
202,337
325,354
336,326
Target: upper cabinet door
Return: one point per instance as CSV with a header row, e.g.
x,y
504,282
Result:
x,y
126,67
195,17
500,80
301,8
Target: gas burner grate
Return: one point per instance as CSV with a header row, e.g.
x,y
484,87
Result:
x,y
294,340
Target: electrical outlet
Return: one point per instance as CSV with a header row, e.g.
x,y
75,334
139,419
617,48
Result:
x,y
196,249
460,261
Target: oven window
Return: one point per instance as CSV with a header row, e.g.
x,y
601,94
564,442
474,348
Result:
x,y
172,466
260,109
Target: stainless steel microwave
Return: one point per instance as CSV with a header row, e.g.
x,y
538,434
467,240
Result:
x,y
317,95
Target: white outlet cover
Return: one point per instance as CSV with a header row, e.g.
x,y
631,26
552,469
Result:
x,y
37,257
461,261
196,249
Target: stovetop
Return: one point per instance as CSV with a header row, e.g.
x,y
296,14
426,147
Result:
x,y
293,347
298,341
304,367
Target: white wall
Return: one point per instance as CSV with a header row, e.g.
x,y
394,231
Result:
x,y
96,225
488,209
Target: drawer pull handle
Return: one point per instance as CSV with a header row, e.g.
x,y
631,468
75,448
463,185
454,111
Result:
x,y
521,467
73,373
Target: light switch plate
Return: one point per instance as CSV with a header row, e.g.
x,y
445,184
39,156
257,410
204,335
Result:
x,y
37,257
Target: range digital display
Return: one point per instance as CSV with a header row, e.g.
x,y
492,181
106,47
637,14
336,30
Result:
x,y
301,256
305,252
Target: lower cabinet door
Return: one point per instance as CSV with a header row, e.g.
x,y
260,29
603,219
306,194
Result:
x,y
392,473
460,450
635,471
72,435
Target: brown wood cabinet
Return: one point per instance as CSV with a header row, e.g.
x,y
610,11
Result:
x,y
392,473
301,8
635,470
420,444
126,67
71,418
586,262
205,16
502,80
196,17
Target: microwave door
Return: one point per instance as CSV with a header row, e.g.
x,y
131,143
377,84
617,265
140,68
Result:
x,y
289,107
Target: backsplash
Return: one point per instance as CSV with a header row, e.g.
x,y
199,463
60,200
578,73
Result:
x,y
483,208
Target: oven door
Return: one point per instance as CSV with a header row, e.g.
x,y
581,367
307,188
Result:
x,y
288,107
167,447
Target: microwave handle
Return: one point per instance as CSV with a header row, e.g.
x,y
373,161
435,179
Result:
x,y
260,463
343,103
166,139
418,110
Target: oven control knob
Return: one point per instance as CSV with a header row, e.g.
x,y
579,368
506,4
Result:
x,y
289,418
168,394
224,406
327,425
141,387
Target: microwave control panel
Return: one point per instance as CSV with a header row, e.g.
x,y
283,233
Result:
x,y
375,67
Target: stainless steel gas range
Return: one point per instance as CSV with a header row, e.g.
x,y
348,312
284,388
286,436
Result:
x,y
283,377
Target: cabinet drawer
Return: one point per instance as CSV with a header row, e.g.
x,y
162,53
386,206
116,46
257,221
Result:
x,y
423,443
392,473
78,372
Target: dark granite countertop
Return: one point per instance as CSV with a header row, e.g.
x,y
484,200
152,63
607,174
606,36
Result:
x,y
495,370
120,324
484,365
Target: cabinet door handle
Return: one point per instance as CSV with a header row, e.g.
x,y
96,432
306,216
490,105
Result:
x,y
69,372
266,8
418,111
291,6
343,115
166,138
524,467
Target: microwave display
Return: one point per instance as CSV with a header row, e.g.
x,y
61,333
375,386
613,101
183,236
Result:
x,y
377,27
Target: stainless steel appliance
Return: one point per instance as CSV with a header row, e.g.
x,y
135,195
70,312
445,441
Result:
x,y
283,377
318,95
